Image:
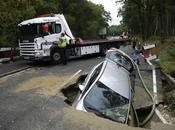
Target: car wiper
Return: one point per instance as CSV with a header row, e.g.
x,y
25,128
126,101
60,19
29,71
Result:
x,y
92,109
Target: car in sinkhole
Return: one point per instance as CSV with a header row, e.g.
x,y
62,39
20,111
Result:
x,y
107,91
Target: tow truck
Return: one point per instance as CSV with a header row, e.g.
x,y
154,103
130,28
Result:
x,y
34,45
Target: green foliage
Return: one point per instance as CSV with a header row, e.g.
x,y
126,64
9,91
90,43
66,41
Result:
x,y
116,30
149,17
85,18
169,99
153,20
171,52
46,7
168,66
167,53
11,13
167,56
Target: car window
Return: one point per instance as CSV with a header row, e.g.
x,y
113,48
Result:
x,y
121,59
93,77
105,102
58,28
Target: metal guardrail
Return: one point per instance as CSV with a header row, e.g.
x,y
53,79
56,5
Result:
x,y
169,79
8,53
7,49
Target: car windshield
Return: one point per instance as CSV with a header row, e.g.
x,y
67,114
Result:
x,y
104,102
120,59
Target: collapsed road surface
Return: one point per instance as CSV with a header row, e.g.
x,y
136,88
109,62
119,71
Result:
x,y
23,95
31,100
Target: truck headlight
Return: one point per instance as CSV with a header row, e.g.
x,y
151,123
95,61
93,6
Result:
x,y
39,53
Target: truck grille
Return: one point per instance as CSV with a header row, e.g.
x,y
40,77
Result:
x,y
27,49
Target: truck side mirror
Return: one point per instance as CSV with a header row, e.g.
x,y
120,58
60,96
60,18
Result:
x,y
81,87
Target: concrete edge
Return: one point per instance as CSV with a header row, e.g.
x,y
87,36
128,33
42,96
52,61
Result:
x,y
15,71
161,117
158,113
170,79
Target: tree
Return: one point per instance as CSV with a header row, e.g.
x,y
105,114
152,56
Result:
x,y
85,18
46,7
11,13
116,30
149,17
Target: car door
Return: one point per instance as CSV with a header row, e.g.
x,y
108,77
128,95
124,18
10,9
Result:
x,y
92,76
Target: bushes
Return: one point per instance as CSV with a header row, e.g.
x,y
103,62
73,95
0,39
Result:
x,y
167,56
169,99
167,53
11,13
171,52
167,63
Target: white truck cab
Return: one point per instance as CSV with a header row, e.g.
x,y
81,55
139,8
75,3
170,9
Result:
x,y
34,43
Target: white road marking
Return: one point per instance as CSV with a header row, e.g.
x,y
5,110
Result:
x,y
161,117
155,92
154,80
75,74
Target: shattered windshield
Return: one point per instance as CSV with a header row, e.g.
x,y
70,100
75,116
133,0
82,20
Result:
x,y
120,59
104,102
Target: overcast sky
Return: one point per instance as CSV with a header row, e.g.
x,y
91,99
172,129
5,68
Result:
x,y
111,7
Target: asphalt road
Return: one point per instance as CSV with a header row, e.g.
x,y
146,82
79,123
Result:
x,y
23,109
31,100
10,67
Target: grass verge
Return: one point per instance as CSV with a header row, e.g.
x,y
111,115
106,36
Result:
x,y
167,64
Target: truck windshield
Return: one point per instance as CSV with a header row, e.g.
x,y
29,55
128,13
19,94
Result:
x,y
29,30
104,102
36,30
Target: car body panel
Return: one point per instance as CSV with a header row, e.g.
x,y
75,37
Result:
x,y
117,78
111,75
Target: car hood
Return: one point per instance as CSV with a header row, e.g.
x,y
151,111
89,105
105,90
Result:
x,y
116,78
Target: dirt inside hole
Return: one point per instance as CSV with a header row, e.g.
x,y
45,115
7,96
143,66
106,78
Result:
x,y
71,91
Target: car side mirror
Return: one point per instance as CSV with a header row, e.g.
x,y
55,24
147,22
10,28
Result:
x,y
81,87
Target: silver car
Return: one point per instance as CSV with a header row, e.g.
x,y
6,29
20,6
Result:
x,y
107,92
122,59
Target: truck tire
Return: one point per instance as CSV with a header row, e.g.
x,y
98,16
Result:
x,y
56,57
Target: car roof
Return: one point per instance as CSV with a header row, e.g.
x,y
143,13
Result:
x,y
116,78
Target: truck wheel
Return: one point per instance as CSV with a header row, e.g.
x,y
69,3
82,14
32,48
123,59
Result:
x,y
56,57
